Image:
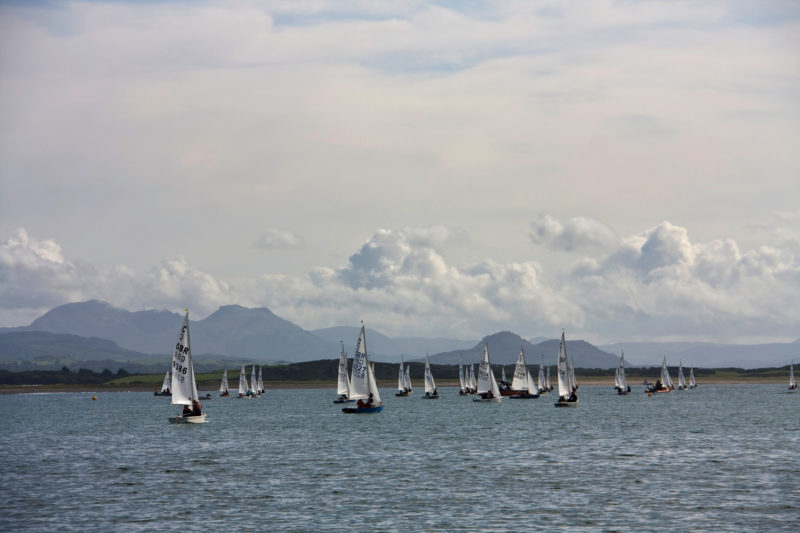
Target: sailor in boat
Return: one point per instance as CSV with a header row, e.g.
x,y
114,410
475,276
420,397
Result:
x,y
343,397
368,403
487,395
573,396
195,410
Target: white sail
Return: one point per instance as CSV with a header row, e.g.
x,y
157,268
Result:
x,y
408,378
563,373
401,377
573,384
692,382
167,381
484,381
223,386
184,387
520,380
792,382
430,385
665,379
260,381
541,385
531,384
343,383
495,389
242,382
503,374
616,378
473,383
623,381
681,379
461,373
547,379
359,382
372,384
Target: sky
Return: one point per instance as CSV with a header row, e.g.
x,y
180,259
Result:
x,y
622,170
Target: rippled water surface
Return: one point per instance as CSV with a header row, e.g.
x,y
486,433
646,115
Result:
x,y
716,458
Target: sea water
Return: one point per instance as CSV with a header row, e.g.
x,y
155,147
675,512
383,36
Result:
x,y
721,458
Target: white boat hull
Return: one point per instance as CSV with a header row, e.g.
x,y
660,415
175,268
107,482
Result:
x,y
196,419
497,399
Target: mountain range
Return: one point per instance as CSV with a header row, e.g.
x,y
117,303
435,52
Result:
x,y
96,330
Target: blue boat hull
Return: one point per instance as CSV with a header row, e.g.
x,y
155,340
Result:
x,y
358,410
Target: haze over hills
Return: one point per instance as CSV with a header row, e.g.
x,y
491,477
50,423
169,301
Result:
x,y
258,335
504,350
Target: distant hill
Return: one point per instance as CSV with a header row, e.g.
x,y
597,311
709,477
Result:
x,y
708,354
383,348
504,349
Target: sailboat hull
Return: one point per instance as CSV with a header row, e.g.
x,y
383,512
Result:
x,y
495,400
404,393
197,419
343,400
360,410
158,393
566,404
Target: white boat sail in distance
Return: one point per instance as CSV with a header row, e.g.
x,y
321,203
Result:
x,y
223,386
487,388
165,386
184,386
364,389
431,392
522,384
343,380
402,389
567,395
792,382
243,384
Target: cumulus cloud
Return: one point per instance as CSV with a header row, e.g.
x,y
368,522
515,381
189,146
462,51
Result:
x,y
35,276
274,238
577,233
657,284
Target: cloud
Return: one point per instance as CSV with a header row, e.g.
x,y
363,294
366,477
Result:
x,y
278,239
577,233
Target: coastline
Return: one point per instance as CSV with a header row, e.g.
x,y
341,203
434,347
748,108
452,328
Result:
x,y
279,385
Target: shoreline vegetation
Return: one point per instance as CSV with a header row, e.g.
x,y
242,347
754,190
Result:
x,y
322,375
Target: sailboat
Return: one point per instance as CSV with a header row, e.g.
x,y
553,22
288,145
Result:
x,y
567,394
223,386
681,379
409,388
184,386
473,384
692,382
165,391
243,384
462,378
522,384
362,382
402,390
261,382
623,381
487,387
253,390
430,386
547,379
343,382
664,383
792,382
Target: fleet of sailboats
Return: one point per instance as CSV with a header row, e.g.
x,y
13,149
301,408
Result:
x,y
183,385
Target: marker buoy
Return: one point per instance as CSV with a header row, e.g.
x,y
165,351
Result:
x,y
94,397
649,394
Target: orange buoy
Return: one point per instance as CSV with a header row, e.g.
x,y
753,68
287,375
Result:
x,y
94,397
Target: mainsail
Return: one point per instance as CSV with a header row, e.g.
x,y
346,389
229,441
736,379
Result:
x,y
242,382
184,388
520,380
223,386
408,378
360,380
401,377
166,384
343,385
430,385
681,379
461,373
486,379
563,373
